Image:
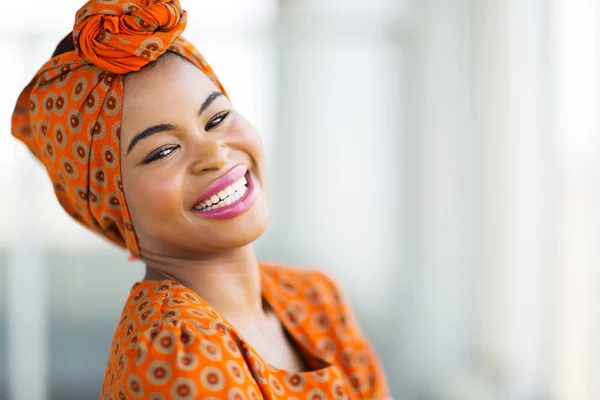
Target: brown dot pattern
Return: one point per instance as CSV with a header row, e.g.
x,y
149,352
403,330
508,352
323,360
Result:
x,y
187,350
69,115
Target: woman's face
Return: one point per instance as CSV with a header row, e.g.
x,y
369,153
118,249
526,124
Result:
x,y
192,167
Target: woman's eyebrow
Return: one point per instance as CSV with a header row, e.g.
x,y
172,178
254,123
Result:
x,y
149,132
209,100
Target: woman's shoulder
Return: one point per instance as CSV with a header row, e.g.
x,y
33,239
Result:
x,y
309,284
156,307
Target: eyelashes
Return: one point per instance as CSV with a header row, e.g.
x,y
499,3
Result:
x,y
216,120
159,153
165,151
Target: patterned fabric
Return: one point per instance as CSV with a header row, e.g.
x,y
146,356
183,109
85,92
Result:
x,y
171,344
69,115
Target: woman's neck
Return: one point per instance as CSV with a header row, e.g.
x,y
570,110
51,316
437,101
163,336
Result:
x,y
229,281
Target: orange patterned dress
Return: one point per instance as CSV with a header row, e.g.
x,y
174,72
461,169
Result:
x,y
171,344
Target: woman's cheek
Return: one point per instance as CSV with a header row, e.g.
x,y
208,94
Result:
x,y
162,193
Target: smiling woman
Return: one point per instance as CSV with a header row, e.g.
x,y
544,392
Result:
x,y
144,147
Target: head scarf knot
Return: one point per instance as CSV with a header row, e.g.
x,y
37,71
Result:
x,y
124,36
69,115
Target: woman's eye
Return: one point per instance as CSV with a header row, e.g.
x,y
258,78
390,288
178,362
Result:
x,y
160,153
216,120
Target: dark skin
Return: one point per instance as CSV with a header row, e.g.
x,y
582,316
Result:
x,y
163,175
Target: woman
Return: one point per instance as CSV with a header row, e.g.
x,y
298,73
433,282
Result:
x,y
144,147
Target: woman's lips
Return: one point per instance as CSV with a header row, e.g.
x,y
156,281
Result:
x,y
244,199
222,183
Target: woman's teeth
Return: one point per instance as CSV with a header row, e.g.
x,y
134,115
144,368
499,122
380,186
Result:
x,y
225,197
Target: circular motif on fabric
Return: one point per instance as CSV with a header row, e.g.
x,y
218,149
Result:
x,y
316,394
326,348
91,102
113,202
252,393
118,183
65,74
134,384
197,313
231,347
33,104
177,302
212,378
235,393
43,80
187,361
98,176
49,103
321,321
82,194
43,128
59,188
183,389
99,75
95,197
141,353
234,370
313,295
156,396
214,327
142,305
210,350
108,80
129,8
97,130
116,132
158,372
112,104
192,298
59,136
165,342
109,156
146,315
75,121
139,295
80,151
337,390
295,313
275,385
83,13
69,168
294,381
172,314
80,88
163,287
103,36
130,328
50,150
133,341
257,372
188,336
321,375
60,103
288,286
355,381
151,47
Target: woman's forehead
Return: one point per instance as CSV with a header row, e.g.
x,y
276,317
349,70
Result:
x,y
169,89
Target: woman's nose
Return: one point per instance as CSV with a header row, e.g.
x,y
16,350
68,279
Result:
x,y
208,155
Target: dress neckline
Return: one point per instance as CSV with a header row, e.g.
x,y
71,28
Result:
x,y
316,364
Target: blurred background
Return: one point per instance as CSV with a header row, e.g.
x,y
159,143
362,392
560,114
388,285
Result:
x,y
440,158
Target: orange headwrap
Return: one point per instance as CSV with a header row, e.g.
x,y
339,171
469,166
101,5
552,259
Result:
x,y
70,113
